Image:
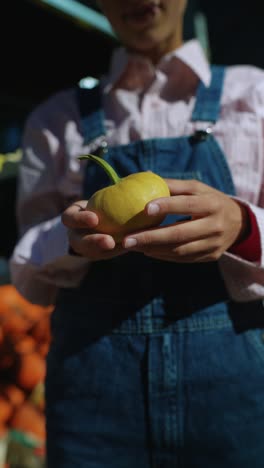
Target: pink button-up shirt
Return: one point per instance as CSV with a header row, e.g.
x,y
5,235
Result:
x,y
140,102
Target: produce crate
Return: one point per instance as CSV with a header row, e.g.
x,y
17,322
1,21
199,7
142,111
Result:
x,y
24,343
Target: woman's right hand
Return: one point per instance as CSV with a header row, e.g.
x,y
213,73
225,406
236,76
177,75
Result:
x,y
82,239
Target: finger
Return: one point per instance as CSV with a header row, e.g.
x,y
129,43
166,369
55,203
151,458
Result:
x,y
95,246
84,243
187,187
179,233
200,247
205,250
193,205
77,217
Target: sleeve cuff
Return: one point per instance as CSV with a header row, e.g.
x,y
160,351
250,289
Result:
x,y
250,248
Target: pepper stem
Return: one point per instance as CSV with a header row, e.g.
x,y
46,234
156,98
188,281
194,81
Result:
x,y
105,165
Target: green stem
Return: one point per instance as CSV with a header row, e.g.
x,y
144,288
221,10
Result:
x,y
108,169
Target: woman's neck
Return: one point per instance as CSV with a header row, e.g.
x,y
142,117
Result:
x,y
162,48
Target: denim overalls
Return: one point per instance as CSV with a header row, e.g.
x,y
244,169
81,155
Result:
x,y
152,365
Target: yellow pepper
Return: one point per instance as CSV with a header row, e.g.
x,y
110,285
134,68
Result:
x,y
120,206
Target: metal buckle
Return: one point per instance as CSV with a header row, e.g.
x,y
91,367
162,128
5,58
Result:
x,y
201,135
99,147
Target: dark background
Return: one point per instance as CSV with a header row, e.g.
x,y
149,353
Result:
x,y
42,52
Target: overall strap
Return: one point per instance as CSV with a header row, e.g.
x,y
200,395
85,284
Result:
x,y
91,112
208,99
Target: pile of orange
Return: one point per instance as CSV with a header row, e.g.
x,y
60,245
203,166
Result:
x,y
24,343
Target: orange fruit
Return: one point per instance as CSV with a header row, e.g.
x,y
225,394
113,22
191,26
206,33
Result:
x,y
31,370
29,420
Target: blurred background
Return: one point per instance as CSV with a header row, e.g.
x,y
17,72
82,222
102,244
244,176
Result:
x,y
47,45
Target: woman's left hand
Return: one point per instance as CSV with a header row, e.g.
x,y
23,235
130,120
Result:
x,y
217,222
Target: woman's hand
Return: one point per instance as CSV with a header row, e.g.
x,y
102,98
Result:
x,y
82,239
217,222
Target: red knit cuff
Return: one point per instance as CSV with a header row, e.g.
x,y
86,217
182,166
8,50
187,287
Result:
x,y
250,248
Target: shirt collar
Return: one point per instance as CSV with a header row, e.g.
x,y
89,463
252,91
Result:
x,y
190,53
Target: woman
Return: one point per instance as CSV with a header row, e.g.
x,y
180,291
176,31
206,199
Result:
x,y
157,356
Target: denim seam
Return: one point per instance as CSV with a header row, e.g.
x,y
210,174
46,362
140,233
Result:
x,y
257,344
221,162
175,328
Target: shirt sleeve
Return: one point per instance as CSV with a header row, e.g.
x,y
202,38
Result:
x,y
244,275
40,262
249,248
244,92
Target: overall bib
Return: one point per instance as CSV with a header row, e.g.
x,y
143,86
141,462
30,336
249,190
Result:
x,y
152,365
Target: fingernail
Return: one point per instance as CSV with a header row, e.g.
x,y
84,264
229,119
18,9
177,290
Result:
x,y
130,242
153,209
